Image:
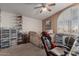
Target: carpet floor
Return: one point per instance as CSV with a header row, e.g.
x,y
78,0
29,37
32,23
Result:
x,y
23,50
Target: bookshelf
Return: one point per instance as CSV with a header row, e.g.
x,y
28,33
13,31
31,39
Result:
x,y
19,28
8,37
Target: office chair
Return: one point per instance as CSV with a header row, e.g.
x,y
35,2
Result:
x,y
58,50
69,42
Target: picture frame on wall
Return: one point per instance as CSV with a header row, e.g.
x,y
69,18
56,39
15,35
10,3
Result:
x,y
48,24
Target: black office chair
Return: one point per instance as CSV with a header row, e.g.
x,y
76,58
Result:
x,y
58,50
69,42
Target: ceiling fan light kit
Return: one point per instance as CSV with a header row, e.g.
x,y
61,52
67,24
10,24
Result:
x,y
44,9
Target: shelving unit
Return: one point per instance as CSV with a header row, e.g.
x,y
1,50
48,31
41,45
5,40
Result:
x,y
14,37
19,27
8,37
19,22
20,40
4,41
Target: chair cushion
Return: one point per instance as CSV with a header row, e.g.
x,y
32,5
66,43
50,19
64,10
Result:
x,y
57,51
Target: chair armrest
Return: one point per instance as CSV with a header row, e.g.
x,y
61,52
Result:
x,y
66,50
57,51
63,46
67,47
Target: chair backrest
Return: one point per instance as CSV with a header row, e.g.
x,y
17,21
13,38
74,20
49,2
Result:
x,y
69,41
46,42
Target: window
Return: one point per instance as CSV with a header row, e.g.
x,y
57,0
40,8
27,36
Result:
x,y
68,21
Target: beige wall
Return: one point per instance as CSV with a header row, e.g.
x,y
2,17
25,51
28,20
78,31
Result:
x,y
30,24
54,19
8,20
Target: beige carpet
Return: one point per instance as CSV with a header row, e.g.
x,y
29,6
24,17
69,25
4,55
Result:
x,y
22,50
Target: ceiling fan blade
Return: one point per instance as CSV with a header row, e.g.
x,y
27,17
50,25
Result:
x,y
52,4
37,7
41,11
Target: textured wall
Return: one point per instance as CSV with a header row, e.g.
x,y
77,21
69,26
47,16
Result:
x,y
30,24
7,19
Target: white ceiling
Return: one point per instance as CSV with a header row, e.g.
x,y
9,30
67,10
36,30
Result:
x,y
27,9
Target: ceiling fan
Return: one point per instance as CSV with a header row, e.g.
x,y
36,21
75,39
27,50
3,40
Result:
x,y
45,7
